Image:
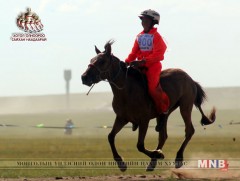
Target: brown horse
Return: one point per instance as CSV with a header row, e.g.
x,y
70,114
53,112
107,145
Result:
x,y
132,103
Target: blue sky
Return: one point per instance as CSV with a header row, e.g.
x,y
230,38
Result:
x,y
203,38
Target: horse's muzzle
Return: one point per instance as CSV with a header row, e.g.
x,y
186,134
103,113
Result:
x,y
86,80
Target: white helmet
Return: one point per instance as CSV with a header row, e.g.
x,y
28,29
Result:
x,y
152,14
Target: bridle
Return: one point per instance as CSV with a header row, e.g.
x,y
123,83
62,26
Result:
x,y
107,71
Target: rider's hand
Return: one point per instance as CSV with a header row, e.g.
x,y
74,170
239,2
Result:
x,y
137,63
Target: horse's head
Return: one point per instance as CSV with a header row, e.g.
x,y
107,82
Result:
x,y
99,67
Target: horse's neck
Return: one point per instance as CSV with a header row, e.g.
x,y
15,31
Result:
x,y
122,84
117,78
118,85
127,87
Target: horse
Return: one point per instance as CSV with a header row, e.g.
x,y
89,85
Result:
x,y
132,103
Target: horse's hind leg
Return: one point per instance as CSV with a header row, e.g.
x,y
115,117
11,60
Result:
x,y
118,125
189,131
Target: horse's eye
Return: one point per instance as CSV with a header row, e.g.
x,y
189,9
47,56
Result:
x,y
101,61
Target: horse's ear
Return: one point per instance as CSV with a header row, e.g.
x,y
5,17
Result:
x,y
97,50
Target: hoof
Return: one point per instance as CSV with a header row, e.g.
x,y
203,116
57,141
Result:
x,y
121,165
152,165
158,154
178,162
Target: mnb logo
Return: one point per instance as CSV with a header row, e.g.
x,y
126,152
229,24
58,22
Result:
x,y
222,164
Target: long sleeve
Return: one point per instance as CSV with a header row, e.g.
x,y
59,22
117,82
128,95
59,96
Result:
x,y
148,46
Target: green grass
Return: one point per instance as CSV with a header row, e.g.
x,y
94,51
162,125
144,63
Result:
x,y
84,148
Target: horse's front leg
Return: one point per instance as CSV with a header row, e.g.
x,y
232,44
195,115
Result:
x,y
162,129
155,154
118,125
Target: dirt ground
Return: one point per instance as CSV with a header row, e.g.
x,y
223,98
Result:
x,y
100,178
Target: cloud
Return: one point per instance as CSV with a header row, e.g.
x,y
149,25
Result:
x,y
94,7
216,8
68,7
61,5
43,4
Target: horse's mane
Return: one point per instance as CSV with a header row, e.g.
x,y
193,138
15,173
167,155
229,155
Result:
x,y
108,43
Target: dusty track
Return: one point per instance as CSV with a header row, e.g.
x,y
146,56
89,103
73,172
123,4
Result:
x,y
100,178
172,175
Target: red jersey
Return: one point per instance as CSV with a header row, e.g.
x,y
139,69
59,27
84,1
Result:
x,y
148,46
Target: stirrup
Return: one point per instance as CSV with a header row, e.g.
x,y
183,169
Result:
x,y
165,112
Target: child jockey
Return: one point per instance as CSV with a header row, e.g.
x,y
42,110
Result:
x,y
148,51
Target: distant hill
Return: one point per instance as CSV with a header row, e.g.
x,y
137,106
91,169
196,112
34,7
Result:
x,y
55,103
222,98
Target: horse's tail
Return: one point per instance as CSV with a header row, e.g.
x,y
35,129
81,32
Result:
x,y
200,98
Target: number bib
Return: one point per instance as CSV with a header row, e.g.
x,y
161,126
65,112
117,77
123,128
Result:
x,y
145,42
